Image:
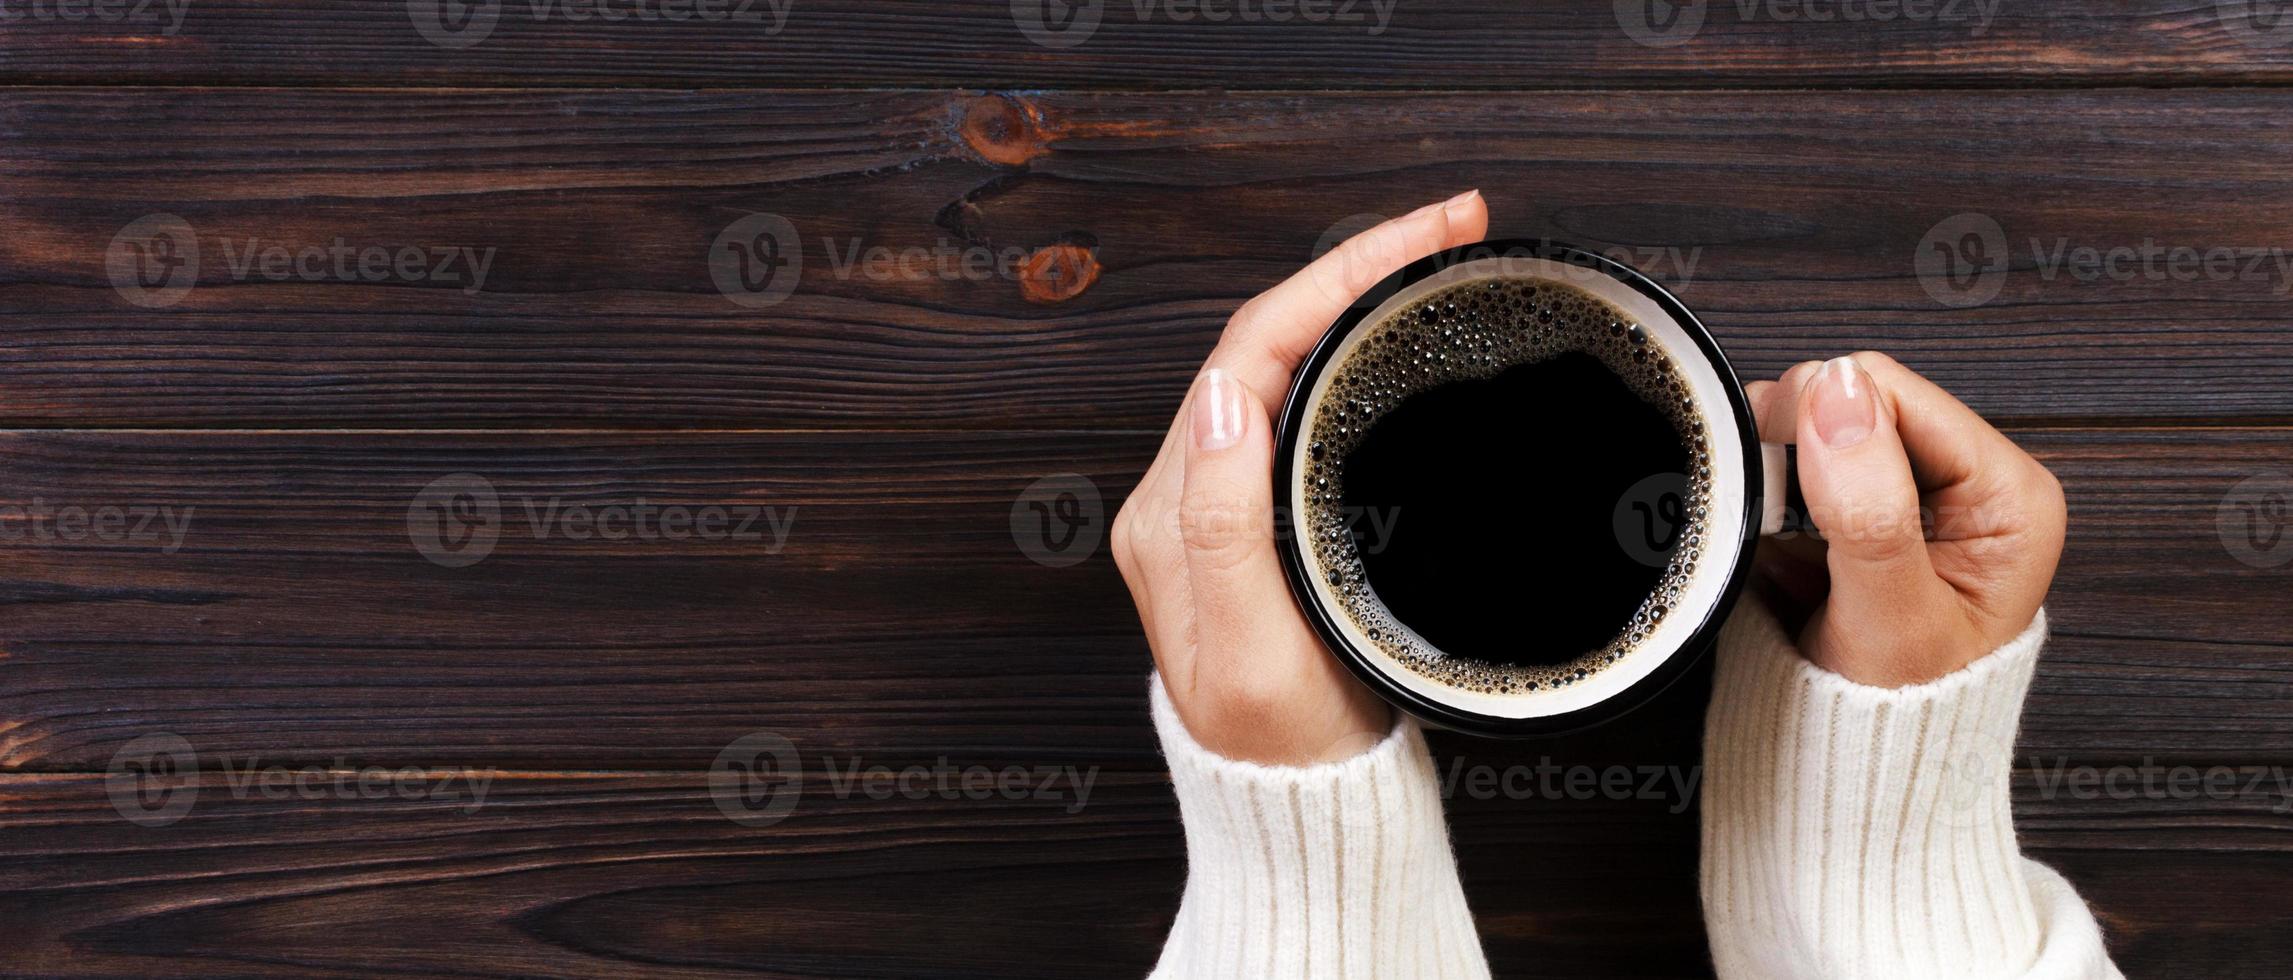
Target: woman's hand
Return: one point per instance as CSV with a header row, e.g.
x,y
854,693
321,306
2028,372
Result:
x,y
1195,540
1940,535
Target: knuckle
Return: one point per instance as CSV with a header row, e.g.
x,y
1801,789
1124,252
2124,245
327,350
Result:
x,y
1121,537
1249,701
1217,534
1872,360
1246,318
2050,504
1882,537
1794,378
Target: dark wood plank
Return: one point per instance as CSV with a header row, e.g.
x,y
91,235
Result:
x,y
1429,43
298,619
1797,219
603,875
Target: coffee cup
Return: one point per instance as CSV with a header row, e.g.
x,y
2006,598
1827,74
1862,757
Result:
x,y
1523,487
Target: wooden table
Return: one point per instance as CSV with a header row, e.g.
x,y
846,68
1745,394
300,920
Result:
x,y
312,407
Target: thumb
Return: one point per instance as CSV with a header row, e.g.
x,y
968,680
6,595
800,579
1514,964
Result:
x,y
1226,512
1860,492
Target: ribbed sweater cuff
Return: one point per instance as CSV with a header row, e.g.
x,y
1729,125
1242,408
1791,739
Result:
x,y
1335,870
1860,832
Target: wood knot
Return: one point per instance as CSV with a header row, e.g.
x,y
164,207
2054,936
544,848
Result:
x,y
1059,272
1003,130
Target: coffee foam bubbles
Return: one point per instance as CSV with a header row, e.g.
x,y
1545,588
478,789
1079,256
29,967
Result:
x,y
1468,331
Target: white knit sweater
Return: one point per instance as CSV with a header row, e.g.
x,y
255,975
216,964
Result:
x,y
1848,832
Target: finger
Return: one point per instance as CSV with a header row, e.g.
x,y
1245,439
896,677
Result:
x,y
1860,492
1225,513
2001,511
1271,333
1150,554
1775,405
1948,444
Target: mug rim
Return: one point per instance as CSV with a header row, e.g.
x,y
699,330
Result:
x,y
1678,662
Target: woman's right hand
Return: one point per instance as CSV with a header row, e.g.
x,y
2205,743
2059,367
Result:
x,y
1940,535
1195,541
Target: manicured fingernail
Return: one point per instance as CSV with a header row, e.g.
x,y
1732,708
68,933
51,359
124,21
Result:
x,y
1217,411
1845,410
1460,200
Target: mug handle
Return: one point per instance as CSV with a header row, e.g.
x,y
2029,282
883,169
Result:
x,y
1782,509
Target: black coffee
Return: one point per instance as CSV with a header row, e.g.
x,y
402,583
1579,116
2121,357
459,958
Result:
x,y
1464,470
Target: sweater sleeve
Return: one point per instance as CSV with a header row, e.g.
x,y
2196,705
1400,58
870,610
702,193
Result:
x,y
1335,870
1859,832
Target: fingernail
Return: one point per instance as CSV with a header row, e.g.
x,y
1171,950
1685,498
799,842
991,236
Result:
x,y
1217,411
1845,411
1460,200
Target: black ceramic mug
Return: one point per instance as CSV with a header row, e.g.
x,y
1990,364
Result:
x,y
1743,491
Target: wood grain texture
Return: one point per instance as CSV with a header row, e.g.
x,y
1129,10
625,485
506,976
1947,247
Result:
x,y
1131,227
1342,44
604,875
894,421
298,619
